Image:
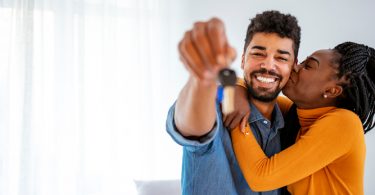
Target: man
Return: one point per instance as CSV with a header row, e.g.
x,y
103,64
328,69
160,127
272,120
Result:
x,y
195,120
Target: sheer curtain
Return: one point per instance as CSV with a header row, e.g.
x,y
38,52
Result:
x,y
84,95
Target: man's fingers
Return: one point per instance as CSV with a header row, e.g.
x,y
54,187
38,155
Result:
x,y
231,55
204,50
218,40
191,57
202,45
193,72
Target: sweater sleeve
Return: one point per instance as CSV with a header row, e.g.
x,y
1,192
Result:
x,y
284,104
328,138
241,82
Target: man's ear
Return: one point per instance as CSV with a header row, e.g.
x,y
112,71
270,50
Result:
x,y
333,92
294,66
243,61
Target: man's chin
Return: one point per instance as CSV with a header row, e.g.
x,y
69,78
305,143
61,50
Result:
x,y
264,96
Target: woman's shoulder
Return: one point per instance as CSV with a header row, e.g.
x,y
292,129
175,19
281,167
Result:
x,y
341,113
284,103
343,120
339,125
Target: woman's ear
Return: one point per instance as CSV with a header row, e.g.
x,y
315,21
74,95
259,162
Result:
x,y
333,92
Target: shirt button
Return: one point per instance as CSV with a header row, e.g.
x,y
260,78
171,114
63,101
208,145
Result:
x,y
265,122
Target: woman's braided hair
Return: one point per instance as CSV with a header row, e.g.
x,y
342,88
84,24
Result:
x,y
357,66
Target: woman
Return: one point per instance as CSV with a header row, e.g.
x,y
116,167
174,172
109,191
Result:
x,y
334,91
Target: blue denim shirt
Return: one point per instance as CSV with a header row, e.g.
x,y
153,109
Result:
x,y
209,165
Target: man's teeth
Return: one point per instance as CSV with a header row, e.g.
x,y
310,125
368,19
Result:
x,y
265,79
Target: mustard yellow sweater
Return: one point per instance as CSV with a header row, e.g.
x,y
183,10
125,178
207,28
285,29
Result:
x,y
327,158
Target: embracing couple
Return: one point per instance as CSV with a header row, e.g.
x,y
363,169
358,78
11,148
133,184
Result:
x,y
309,142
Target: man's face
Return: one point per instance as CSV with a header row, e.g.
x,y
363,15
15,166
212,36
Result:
x,y
267,63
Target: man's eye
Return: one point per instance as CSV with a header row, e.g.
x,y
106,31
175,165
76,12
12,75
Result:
x,y
283,59
257,54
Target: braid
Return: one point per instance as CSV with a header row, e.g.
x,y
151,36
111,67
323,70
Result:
x,y
357,64
371,66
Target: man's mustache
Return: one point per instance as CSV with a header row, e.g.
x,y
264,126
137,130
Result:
x,y
265,71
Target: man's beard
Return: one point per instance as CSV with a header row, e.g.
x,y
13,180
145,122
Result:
x,y
268,96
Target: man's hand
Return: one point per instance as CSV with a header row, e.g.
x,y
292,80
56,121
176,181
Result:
x,y
204,50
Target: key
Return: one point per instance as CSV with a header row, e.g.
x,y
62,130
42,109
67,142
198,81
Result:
x,y
228,78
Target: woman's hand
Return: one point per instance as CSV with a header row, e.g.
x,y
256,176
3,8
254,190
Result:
x,y
241,112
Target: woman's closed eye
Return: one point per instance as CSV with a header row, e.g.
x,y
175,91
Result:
x,y
305,65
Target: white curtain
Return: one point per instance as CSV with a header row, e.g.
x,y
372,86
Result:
x,y
84,96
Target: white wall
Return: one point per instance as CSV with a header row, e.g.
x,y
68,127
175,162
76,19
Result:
x,y
324,24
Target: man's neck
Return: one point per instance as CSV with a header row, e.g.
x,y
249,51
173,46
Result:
x,y
265,108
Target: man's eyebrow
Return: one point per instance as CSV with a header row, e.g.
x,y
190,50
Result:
x,y
283,52
258,47
264,48
314,59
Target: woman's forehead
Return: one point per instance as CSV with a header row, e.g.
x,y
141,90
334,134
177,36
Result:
x,y
325,56
327,60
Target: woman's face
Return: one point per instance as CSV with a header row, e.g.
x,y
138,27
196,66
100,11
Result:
x,y
312,79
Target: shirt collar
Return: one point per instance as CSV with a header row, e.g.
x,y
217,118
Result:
x,y
278,119
255,115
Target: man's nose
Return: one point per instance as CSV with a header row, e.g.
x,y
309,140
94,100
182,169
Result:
x,y
269,63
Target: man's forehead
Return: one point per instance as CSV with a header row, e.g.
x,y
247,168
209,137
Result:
x,y
271,41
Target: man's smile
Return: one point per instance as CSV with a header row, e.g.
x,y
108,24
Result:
x,y
265,81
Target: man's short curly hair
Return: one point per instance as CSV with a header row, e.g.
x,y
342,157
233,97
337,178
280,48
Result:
x,y
285,25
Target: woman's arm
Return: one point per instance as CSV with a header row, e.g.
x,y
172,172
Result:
x,y
327,139
241,111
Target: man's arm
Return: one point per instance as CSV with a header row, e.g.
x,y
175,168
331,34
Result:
x,y
204,51
195,113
